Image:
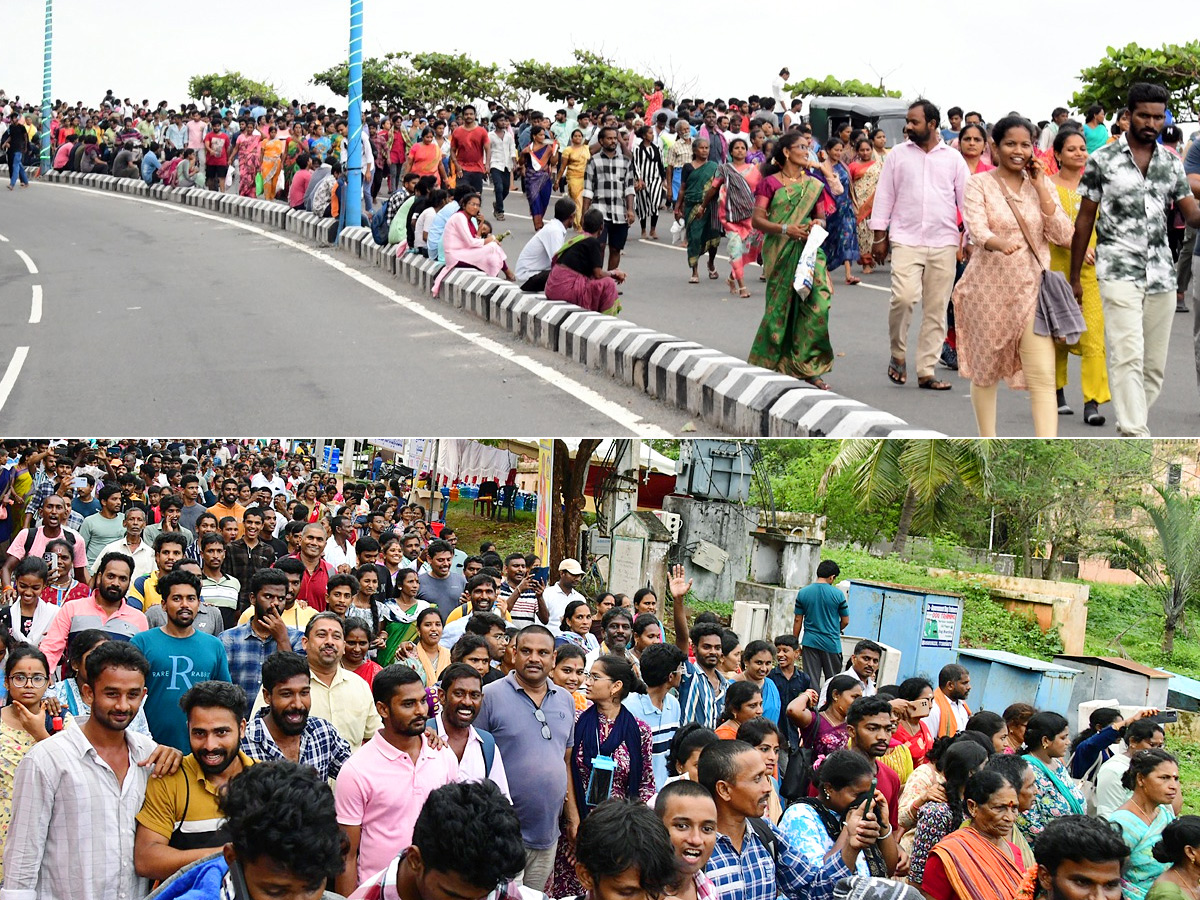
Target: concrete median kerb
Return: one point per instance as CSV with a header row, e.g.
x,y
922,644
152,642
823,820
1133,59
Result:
x,y
724,392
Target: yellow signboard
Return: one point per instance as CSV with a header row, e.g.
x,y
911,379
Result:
x,y
545,502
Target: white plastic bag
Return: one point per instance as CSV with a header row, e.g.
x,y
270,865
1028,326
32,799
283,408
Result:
x,y
803,281
229,177
678,232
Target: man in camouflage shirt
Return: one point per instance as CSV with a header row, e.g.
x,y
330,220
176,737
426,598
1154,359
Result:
x,y
1131,182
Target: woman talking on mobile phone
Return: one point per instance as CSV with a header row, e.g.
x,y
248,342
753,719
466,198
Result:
x,y
997,298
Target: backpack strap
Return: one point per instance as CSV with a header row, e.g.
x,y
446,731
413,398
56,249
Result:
x,y
766,835
489,750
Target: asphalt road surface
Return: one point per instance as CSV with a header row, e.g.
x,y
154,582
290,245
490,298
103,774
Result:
x,y
123,316
155,318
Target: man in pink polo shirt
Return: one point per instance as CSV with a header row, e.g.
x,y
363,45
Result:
x,y
382,787
916,211
105,608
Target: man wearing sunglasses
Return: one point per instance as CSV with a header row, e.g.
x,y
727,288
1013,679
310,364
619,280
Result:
x,y
533,722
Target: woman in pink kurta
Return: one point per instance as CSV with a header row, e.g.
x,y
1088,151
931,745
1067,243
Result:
x,y
464,247
997,297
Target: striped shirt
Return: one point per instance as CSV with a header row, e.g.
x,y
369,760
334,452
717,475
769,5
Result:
x,y
524,609
73,824
220,592
663,724
757,874
699,702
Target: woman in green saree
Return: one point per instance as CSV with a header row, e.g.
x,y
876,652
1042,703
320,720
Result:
x,y
700,218
794,335
1179,848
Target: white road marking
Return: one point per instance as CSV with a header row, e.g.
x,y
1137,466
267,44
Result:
x,y
10,374
598,402
3,239
35,309
28,262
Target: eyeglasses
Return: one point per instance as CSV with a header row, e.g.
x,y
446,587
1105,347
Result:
x,y
21,679
541,717
592,676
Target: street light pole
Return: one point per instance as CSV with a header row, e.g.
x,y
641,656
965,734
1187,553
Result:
x,y
354,186
46,101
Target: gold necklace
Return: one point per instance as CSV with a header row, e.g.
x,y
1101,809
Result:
x,y
1149,817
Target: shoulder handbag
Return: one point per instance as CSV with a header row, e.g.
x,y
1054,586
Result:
x,y
1058,314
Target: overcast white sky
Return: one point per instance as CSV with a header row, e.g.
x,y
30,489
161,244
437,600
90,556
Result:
x,y
1025,56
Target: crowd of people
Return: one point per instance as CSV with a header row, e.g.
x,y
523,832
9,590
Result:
x,y
960,208
223,698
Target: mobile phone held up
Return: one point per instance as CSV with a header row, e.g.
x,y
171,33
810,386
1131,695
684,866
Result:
x,y
1166,717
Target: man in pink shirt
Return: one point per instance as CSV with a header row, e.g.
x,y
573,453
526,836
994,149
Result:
x,y
196,129
382,787
917,205
105,608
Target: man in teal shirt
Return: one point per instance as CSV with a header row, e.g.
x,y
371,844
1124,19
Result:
x,y
822,612
180,656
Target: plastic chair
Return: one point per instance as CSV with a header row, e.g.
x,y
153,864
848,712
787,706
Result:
x,y
486,498
506,501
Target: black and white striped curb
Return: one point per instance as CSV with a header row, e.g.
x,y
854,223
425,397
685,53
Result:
x,y
723,391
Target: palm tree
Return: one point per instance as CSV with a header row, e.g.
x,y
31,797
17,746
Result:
x,y
1169,560
925,474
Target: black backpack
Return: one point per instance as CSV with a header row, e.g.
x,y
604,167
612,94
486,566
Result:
x,y
32,536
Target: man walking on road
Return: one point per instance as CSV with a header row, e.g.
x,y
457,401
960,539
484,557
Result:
x,y
469,150
608,185
1127,187
916,208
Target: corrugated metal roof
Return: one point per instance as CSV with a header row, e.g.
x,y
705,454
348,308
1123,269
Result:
x,y
1181,684
1022,662
1116,662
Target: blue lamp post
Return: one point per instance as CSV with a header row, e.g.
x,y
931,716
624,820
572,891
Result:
x,y
354,187
45,160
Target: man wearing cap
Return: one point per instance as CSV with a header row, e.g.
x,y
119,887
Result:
x,y
558,595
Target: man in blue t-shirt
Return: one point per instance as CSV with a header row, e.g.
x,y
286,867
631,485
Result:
x,y
822,613
179,657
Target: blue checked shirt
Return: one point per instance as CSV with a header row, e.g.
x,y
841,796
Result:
x,y
699,702
320,745
754,875
247,651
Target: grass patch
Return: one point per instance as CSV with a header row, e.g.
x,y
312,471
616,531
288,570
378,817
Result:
x,y
473,529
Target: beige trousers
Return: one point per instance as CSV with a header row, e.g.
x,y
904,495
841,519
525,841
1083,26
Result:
x,y
1037,363
924,274
1137,329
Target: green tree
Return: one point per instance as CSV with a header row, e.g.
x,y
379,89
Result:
x,y
425,79
831,87
232,87
924,476
593,79
1176,67
1168,559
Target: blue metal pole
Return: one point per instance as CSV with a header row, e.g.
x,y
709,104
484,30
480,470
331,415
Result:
x,y
46,100
352,201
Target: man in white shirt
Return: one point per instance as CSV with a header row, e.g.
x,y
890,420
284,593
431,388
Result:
x,y
864,663
950,711
502,160
460,694
537,256
781,102
339,551
559,595
132,544
266,477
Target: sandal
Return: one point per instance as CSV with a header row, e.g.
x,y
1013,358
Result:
x,y
817,383
712,273
695,279
932,384
850,279
653,236
897,372
744,293
732,286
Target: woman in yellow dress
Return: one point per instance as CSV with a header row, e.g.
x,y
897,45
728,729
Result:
x,y
573,162
273,149
1070,150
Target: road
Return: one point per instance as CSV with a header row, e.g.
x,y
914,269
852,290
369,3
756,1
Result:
x,y
124,316
274,323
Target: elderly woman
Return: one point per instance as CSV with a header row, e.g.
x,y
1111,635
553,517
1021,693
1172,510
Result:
x,y
466,249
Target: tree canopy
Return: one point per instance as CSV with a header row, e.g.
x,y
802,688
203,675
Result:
x,y
1175,66
232,86
831,87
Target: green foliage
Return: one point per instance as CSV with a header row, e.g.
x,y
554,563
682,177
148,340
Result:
x,y
1176,67
1188,754
428,80
1127,620
831,87
233,87
593,79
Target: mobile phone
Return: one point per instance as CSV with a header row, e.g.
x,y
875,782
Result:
x,y
431,700
868,798
1166,716
240,890
79,483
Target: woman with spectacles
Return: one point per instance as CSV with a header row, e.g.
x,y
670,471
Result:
x,y
612,757
23,722
978,861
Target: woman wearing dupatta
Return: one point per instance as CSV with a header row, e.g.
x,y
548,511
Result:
x,y
536,163
577,274
1153,776
793,337
978,862
737,180
573,165
248,151
841,247
293,147
701,218
320,144
465,248
864,177
1047,738
273,149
